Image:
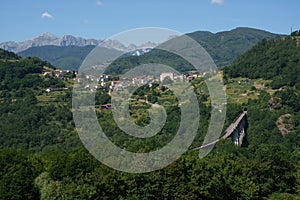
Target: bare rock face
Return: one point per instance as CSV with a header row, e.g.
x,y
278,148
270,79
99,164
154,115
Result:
x,y
285,124
48,39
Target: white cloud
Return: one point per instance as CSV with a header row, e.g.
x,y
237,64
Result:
x,y
47,15
220,2
99,3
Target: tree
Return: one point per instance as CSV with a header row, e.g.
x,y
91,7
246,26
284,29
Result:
x,y
16,176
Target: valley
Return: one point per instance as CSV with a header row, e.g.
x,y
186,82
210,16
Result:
x,y
42,157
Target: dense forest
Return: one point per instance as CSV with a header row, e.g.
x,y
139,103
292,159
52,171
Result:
x,y
276,60
24,122
43,158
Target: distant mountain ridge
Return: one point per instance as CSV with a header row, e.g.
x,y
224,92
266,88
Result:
x,y
224,47
48,39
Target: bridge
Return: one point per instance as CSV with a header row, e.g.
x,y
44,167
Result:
x,y
236,130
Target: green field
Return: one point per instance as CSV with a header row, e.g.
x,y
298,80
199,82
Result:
x,y
240,90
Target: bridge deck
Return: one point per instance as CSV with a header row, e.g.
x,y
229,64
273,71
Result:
x,y
227,132
233,126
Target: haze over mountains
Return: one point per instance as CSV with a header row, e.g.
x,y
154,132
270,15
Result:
x,y
48,39
68,52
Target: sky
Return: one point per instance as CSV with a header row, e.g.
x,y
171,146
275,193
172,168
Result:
x,y
100,19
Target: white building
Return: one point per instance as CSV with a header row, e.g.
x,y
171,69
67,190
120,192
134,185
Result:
x,y
165,75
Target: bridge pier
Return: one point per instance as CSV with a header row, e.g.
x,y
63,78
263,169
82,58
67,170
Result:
x,y
241,138
237,136
238,131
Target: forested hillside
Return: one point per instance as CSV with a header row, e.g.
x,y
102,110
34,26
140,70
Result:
x,y
225,47
268,76
27,122
276,60
273,68
41,156
67,57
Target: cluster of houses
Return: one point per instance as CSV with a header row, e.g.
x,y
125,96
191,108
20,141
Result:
x,y
92,82
61,74
113,83
188,77
171,76
117,82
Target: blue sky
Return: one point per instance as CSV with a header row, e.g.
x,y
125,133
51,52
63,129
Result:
x,y
99,19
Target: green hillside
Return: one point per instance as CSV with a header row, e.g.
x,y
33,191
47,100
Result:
x,y
266,80
68,57
41,156
26,120
276,60
225,47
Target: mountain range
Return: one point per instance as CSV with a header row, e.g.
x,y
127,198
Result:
x,y
226,46
67,52
48,39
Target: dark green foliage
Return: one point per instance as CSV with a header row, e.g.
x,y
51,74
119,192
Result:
x,y
272,160
17,175
290,97
295,33
7,55
24,123
25,73
277,60
77,175
102,97
31,130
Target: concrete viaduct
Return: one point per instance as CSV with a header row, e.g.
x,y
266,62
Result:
x,y
236,131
